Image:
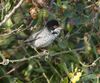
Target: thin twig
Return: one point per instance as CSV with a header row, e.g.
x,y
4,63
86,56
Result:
x,y
64,52
92,64
42,54
25,59
9,33
11,13
55,54
12,70
48,81
44,74
87,65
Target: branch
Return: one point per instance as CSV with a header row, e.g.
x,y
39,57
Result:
x,y
9,33
27,59
92,64
11,13
12,70
7,61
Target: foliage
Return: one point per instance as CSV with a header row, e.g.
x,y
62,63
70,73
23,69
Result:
x,y
73,58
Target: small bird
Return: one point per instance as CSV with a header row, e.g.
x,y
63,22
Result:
x,y
45,36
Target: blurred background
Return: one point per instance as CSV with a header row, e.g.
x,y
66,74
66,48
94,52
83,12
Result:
x,y
74,57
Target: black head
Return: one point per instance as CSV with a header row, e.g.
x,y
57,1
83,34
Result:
x,y
52,24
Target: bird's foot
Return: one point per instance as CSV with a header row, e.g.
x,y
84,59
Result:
x,y
45,51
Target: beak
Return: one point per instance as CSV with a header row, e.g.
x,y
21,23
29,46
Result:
x,y
60,28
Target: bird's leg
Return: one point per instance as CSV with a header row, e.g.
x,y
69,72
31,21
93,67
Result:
x,y
45,51
36,50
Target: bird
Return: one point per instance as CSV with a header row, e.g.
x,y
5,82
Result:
x,y
44,37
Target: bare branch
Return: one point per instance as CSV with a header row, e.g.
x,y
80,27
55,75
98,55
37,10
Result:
x,y
11,13
7,61
40,55
9,33
92,64
12,70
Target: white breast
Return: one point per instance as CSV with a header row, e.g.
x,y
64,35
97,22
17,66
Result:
x,y
44,39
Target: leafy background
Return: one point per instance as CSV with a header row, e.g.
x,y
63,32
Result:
x,y
73,58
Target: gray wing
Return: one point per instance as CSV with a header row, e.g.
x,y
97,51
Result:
x,y
33,37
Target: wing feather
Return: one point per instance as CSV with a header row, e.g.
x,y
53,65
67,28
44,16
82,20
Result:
x,y
33,37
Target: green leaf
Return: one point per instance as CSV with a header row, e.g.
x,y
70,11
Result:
x,y
9,23
62,44
7,6
2,72
58,2
63,67
65,80
69,27
5,41
89,77
5,78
